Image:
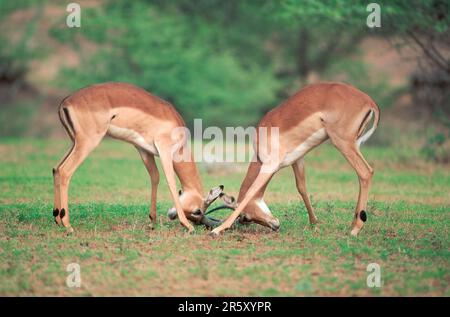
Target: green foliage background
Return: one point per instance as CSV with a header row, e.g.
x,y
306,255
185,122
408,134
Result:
x,y
226,62
172,56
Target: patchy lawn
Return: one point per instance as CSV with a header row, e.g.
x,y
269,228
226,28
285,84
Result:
x,y
407,231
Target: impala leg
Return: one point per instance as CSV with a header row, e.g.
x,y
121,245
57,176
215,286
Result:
x,y
150,165
300,181
63,174
260,181
57,186
365,173
165,151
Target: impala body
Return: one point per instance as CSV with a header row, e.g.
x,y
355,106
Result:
x,y
318,112
131,114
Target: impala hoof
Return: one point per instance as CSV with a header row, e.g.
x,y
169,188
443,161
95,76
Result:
x,y
69,231
214,233
355,232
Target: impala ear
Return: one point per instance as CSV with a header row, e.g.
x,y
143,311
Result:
x,y
213,194
228,200
172,213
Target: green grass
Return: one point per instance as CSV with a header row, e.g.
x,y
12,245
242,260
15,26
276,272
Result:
x,y
406,232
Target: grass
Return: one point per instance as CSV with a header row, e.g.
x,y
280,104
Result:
x,y
406,232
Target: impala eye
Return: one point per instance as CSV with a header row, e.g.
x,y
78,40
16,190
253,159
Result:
x,y
197,212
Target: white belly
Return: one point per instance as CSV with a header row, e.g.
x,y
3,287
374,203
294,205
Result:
x,y
132,137
312,141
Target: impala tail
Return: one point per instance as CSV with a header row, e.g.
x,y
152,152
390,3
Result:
x,y
373,113
66,120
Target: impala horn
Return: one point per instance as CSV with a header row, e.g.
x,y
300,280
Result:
x,y
229,203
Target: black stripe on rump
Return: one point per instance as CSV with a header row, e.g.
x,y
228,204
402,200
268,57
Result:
x,y
66,113
362,123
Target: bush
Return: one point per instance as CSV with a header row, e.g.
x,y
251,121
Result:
x,y
437,148
172,57
15,118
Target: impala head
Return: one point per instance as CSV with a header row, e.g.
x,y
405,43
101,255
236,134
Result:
x,y
258,212
194,206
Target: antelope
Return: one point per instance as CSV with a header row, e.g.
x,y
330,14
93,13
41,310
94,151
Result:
x,y
131,114
318,112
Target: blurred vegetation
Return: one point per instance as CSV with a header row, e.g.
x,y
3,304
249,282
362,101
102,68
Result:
x,y
174,55
228,62
22,113
16,53
436,149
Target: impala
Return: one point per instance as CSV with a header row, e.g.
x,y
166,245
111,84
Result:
x,y
131,114
318,112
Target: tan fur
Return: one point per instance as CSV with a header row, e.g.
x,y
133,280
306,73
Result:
x,y
340,111
131,114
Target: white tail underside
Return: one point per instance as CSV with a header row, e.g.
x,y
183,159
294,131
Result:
x,y
369,133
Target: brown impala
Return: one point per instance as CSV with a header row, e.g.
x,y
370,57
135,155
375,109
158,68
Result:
x,y
129,113
317,112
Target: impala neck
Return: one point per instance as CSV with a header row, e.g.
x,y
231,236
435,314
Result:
x,y
189,177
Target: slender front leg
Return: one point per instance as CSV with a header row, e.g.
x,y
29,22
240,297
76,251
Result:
x,y
259,182
165,150
300,181
150,165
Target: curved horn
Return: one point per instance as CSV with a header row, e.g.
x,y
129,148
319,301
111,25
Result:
x,y
213,194
219,208
211,222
